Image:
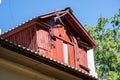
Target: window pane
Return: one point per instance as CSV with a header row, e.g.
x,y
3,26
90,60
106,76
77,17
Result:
x,y
65,53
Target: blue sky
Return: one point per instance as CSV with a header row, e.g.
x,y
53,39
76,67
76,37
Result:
x,y
15,12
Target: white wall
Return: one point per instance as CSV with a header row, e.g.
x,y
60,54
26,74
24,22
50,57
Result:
x,y
13,71
91,63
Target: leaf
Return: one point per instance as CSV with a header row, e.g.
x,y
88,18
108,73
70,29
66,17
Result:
x,y
107,54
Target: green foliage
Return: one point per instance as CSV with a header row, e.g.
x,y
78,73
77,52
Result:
x,y
107,53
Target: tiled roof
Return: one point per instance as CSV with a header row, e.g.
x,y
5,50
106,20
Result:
x,y
74,71
31,19
20,25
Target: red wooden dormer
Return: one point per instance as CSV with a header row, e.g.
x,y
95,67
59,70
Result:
x,y
58,35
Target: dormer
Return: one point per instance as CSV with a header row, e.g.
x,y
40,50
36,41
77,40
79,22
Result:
x,y
58,35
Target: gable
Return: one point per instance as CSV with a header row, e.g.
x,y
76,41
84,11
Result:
x,y
69,21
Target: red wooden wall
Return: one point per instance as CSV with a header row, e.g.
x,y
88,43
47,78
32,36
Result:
x,y
50,43
54,48
25,37
81,60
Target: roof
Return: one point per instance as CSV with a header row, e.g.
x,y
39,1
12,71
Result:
x,y
18,49
69,18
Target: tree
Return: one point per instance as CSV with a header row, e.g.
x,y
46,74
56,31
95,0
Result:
x,y
107,54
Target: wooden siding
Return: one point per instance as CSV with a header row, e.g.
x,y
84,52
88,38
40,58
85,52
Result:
x,y
59,50
61,37
71,54
43,41
25,37
81,59
50,43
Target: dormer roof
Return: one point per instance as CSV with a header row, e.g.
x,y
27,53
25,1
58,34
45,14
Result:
x,y
68,19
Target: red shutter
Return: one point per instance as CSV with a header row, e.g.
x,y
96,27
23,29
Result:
x,y
71,55
59,50
43,42
81,60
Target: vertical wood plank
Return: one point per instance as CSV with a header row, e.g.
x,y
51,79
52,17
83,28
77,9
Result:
x,y
24,38
43,41
71,55
59,50
53,50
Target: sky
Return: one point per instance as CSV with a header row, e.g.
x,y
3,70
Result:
x,y
15,12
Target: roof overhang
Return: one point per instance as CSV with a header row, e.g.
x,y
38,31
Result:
x,y
39,62
33,22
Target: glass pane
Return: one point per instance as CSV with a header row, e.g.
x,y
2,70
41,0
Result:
x,y
65,52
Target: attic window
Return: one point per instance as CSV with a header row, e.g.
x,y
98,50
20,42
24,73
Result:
x,y
65,53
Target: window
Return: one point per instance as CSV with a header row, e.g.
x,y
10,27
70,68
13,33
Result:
x,y
65,53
